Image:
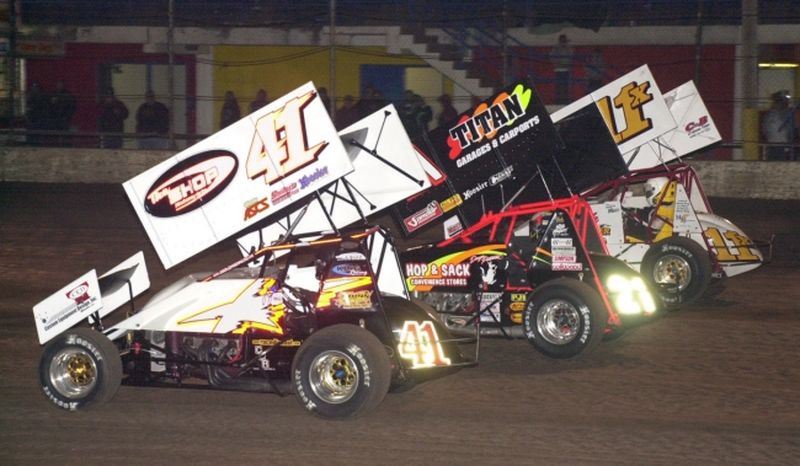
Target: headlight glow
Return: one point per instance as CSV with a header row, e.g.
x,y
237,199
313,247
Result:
x,y
630,295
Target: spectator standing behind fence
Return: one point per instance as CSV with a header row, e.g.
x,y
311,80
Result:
x,y
448,113
113,114
230,111
35,113
324,98
347,114
595,69
261,100
62,105
561,56
152,123
777,127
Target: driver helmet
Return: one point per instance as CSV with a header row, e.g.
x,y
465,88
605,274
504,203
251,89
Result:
x,y
653,188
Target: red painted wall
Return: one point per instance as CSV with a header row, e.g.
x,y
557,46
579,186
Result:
x,y
79,69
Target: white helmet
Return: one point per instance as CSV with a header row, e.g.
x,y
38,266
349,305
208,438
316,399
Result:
x,y
653,188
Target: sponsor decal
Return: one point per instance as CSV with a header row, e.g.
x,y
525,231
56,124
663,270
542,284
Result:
x,y
419,344
351,256
284,193
430,213
291,343
605,230
567,266
80,293
308,180
451,202
490,307
452,227
348,270
254,207
517,306
280,145
81,300
485,122
560,230
561,242
191,183
500,176
475,190
353,299
451,270
694,128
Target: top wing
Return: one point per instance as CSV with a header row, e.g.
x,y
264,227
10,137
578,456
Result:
x,y
244,173
695,129
634,110
386,169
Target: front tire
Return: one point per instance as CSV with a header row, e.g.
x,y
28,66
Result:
x,y
80,368
341,371
678,268
564,318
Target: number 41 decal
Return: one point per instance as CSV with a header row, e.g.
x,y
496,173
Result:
x,y
419,343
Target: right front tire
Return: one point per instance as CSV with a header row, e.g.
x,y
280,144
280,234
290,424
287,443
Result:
x,y
564,318
678,268
80,368
341,371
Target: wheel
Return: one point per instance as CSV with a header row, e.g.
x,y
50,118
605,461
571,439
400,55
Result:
x,y
678,268
79,368
341,371
564,318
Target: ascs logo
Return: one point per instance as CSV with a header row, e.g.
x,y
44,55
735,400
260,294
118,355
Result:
x,y
191,183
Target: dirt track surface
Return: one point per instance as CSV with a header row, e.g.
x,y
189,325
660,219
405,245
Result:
x,y
716,382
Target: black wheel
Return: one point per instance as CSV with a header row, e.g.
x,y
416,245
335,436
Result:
x,y
564,318
678,268
341,371
79,368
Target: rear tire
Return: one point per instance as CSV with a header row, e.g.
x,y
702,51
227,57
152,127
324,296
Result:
x,y
341,371
564,318
80,368
681,264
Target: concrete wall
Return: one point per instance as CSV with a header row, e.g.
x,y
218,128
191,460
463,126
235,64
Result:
x,y
734,179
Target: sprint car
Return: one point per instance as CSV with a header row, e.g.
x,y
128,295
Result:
x,y
311,322
659,221
538,271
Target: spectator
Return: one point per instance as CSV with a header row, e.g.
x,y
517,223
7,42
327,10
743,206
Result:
x,y
326,100
261,100
62,107
371,101
423,114
561,57
415,114
347,114
113,114
230,111
595,69
35,113
448,113
152,122
778,129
